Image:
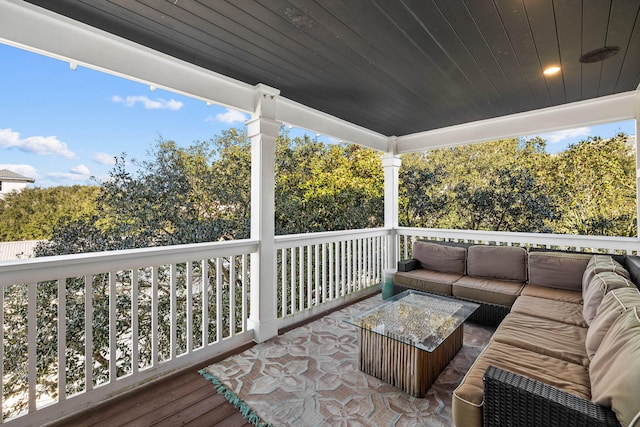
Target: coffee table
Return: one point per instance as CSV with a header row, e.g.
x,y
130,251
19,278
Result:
x,y
409,339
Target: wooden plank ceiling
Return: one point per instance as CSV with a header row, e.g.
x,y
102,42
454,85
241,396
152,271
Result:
x,y
396,67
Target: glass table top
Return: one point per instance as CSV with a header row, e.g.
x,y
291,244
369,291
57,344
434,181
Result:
x,y
416,318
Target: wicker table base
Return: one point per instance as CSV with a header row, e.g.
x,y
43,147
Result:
x,y
403,365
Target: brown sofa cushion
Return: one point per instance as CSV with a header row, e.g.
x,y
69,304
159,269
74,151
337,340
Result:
x,y
600,284
553,293
560,311
447,259
614,304
555,339
497,262
601,263
560,270
493,291
469,395
615,369
427,280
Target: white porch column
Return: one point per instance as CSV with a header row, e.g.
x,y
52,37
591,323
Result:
x,y
391,164
263,130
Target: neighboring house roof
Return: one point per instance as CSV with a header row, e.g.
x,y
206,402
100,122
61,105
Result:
x,y
7,175
17,250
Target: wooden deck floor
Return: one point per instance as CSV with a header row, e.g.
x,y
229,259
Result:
x,y
183,399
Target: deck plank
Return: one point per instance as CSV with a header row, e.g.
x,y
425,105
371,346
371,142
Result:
x,y
217,416
200,408
173,406
184,399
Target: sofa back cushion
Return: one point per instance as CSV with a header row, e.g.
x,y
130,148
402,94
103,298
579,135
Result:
x,y
598,286
561,270
601,263
615,369
497,262
447,259
614,304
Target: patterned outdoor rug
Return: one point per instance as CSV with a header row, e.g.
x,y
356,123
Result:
x,y
310,377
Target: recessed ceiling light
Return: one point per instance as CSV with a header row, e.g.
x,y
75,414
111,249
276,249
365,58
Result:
x,y
551,70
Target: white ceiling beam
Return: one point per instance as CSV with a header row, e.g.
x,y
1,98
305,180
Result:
x,y
293,113
605,109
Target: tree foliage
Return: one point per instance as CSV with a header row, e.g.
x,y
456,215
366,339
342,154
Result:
x,y
496,186
596,180
32,213
515,185
202,193
326,187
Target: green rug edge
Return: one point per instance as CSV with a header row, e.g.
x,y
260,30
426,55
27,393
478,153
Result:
x,y
233,398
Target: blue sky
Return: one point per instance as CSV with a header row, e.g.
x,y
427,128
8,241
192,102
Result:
x,y
63,127
558,141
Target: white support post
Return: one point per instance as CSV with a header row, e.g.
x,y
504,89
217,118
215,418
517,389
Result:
x,y
391,164
263,130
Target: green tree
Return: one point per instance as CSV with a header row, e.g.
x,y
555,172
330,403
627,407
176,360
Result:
x,y
32,213
514,202
326,187
498,185
422,200
596,180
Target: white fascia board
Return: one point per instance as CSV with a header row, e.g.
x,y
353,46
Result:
x,y
605,109
32,28
293,113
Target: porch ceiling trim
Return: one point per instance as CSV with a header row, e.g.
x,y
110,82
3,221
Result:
x,y
605,109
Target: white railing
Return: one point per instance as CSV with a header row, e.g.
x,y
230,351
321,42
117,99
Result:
x,y
81,328
597,244
317,269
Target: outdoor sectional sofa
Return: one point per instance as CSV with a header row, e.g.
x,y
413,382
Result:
x,y
566,350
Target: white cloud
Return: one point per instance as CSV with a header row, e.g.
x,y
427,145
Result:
x,y
561,135
24,170
104,158
80,169
78,173
40,145
231,116
148,104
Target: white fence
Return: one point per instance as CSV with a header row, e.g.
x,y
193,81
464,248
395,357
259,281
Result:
x,y
82,328
323,269
79,329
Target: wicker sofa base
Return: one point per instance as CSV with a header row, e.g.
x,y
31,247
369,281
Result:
x,y
489,314
514,400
